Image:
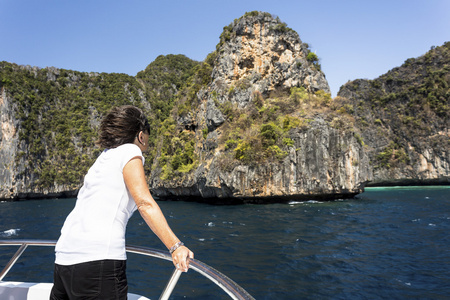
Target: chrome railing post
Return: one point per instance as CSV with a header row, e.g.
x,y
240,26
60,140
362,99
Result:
x,y
170,285
13,260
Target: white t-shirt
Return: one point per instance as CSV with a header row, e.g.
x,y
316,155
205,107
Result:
x,y
95,229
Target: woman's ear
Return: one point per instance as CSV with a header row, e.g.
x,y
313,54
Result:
x,y
141,138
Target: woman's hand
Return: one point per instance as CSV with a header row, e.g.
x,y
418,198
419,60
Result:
x,y
181,258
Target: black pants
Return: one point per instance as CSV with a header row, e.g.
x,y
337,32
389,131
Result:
x,y
101,279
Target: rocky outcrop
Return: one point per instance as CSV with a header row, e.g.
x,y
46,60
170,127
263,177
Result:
x,y
404,120
17,180
259,59
259,53
323,163
48,121
8,147
262,53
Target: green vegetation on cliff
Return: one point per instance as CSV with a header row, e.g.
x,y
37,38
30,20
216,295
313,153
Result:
x,y
405,110
174,145
163,78
58,112
260,133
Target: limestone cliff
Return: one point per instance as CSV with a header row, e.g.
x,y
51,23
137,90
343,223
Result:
x,y
404,119
323,163
244,146
262,53
49,118
8,146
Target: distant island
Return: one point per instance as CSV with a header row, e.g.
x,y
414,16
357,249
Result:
x,y
253,122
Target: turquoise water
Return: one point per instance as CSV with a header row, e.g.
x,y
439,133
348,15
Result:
x,y
388,243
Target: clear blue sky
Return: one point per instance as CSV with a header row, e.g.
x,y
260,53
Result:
x,y
353,39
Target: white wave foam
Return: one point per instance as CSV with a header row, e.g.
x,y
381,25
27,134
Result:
x,y
203,239
313,201
9,232
303,202
295,202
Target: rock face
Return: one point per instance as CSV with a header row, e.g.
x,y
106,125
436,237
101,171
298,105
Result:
x,y
259,57
259,53
323,163
16,179
8,146
404,119
48,121
262,52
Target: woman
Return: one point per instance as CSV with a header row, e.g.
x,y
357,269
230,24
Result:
x,y
90,253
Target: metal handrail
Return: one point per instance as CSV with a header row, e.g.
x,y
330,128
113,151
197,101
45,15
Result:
x,y
226,284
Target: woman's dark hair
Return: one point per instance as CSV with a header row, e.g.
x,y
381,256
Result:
x,y
121,126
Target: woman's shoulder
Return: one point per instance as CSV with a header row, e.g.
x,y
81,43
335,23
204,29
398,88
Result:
x,y
129,147
121,155
124,150
127,150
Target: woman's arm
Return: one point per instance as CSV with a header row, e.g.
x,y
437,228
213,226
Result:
x,y
133,174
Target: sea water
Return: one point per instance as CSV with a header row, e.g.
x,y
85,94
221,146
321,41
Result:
x,y
387,243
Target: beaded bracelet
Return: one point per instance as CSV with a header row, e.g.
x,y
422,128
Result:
x,y
175,247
